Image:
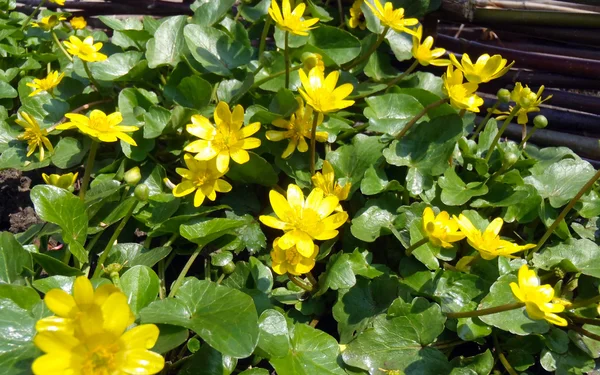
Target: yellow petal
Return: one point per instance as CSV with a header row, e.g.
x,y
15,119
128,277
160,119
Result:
x,y
60,302
140,362
141,337
240,156
280,205
115,313
295,197
83,291
55,364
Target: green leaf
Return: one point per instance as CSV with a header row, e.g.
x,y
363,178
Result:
x,y
205,230
23,296
373,220
68,153
389,113
255,371
284,103
54,266
574,362
356,307
216,313
168,43
118,66
560,182
515,321
455,192
312,352
17,329
273,337
7,91
195,92
156,119
54,282
256,171
263,278
215,50
400,43
396,341
210,12
170,338
351,161
58,206
376,181
572,256
208,361
480,364
14,259
339,274
336,44
140,284
133,254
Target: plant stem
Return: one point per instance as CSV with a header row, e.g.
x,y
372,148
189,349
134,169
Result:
x,y
162,291
390,83
88,169
61,46
485,119
90,76
512,114
312,279
286,55
488,311
564,213
32,14
184,271
274,75
416,245
351,132
419,115
313,142
263,37
299,282
502,358
584,332
585,302
368,54
112,241
590,321
523,143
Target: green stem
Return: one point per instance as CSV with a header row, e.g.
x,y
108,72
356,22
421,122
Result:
x,y
67,257
286,54
162,291
90,76
502,358
32,15
88,169
263,37
184,271
220,279
485,119
64,51
313,142
416,245
112,241
512,114
584,332
419,115
564,212
351,132
585,302
368,54
578,319
312,279
299,282
390,83
524,141
274,75
488,311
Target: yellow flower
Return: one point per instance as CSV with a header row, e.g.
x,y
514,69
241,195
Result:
x,y
64,181
325,180
320,92
228,138
357,17
537,298
291,261
201,176
304,220
298,127
59,2
424,52
46,84
485,69
96,343
310,60
100,126
86,50
78,23
441,229
462,95
393,18
34,135
289,20
528,100
489,243
48,23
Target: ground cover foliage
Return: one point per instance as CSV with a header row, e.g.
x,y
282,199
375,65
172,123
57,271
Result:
x,y
256,189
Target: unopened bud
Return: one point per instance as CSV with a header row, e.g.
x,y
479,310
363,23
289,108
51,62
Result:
x,y
141,192
228,268
310,60
503,95
132,176
510,158
526,102
540,121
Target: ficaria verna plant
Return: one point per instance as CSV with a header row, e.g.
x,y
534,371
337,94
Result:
x,y
255,189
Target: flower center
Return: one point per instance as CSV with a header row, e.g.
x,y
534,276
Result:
x,y
458,91
291,256
100,125
86,49
224,139
101,361
307,221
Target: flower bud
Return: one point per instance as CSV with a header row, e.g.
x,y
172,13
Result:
x,y
141,192
503,95
540,121
525,102
228,268
132,176
510,158
310,60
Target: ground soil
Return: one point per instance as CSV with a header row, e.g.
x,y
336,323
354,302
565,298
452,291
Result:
x,y
16,210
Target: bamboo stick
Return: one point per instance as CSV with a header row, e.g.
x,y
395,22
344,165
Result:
x,y
547,5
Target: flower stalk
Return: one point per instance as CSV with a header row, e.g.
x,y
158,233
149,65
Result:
x,y
88,169
485,119
488,311
299,282
419,115
416,245
90,75
274,75
286,54
263,36
32,14
513,113
60,46
313,143
368,54
184,271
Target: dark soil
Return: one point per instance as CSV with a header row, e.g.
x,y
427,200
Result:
x,y
16,209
